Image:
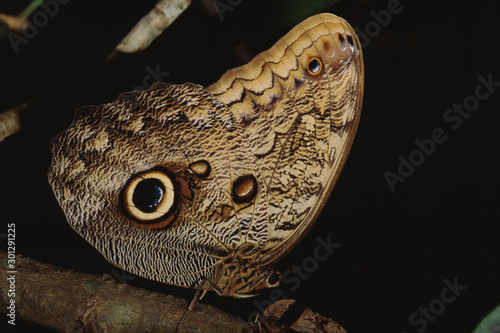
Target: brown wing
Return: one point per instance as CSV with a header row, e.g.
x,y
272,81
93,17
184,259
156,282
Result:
x,y
298,106
251,159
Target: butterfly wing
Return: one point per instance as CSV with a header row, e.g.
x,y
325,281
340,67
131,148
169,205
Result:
x,y
170,182
180,132
298,106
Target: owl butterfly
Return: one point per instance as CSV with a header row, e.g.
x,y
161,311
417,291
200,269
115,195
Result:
x,y
208,187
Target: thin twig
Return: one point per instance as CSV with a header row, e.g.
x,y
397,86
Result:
x,y
15,23
10,121
151,26
30,8
19,23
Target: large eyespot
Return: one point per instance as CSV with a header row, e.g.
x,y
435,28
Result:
x,y
314,66
149,198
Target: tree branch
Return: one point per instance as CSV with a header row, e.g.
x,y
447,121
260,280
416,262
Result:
x,y
69,301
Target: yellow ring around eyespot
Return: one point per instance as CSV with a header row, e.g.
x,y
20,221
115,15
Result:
x,y
165,204
320,66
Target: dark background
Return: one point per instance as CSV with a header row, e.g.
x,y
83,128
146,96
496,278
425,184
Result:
x,y
397,247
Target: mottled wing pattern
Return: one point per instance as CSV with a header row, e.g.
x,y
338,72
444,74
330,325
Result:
x,y
249,162
171,126
299,125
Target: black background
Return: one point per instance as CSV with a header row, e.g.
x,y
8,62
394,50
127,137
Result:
x,y
396,247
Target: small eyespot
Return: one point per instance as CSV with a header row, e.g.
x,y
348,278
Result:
x,y
244,189
314,66
149,198
201,168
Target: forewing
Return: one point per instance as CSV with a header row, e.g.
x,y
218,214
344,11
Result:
x,y
299,120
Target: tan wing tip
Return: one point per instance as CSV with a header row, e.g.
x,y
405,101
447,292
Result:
x,y
329,19
314,26
321,18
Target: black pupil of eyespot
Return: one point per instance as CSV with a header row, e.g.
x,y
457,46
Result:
x,y
314,66
148,195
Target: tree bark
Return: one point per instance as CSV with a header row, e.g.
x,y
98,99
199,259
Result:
x,y
69,301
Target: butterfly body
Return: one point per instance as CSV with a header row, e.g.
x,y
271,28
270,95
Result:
x,y
209,187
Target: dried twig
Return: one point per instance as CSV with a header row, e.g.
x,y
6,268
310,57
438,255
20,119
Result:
x,y
151,26
15,23
19,23
10,121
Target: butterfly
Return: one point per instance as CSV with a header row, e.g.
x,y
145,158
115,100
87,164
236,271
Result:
x,y
208,187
